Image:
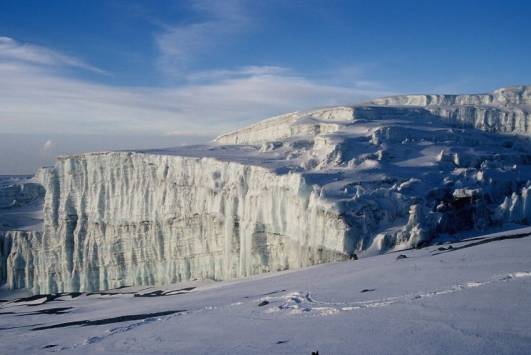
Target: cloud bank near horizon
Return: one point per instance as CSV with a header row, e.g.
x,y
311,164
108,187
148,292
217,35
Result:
x,y
36,96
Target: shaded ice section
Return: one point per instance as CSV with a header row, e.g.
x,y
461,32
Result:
x,y
21,199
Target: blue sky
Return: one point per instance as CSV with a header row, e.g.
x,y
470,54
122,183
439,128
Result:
x,y
196,68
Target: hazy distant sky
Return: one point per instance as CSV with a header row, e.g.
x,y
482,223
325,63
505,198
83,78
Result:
x,y
125,73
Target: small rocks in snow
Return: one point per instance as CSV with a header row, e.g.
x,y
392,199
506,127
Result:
x,y
401,256
450,247
263,303
49,346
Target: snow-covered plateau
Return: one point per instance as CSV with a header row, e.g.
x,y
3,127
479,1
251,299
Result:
x,y
291,191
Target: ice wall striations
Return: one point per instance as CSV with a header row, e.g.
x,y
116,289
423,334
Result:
x,y
21,258
506,110
117,219
294,190
281,127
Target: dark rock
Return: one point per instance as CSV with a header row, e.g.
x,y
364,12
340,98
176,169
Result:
x,y
156,293
104,321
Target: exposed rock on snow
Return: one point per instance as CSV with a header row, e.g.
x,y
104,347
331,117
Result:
x,y
294,190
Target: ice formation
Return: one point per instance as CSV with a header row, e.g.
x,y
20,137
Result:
x,y
290,191
20,203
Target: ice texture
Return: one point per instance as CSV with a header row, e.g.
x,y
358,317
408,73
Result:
x,y
291,191
127,218
19,257
20,203
504,110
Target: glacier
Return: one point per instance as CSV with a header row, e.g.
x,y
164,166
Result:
x,y
291,191
21,199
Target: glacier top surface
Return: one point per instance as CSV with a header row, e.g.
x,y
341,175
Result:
x,y
410,147
392,143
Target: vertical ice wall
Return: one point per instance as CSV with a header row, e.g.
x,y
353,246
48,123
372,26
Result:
x,y
295,190
115,219
19,258
506,110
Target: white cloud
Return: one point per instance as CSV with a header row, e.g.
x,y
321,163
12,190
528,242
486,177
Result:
x,y
180,44
36,99
47,146
14,51
224,74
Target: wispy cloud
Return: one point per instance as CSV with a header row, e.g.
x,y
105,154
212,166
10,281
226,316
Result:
x,y
180,44
14,51
48,149
36,98
224,74
48,145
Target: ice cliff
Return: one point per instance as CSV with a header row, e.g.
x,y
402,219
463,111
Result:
x,y
291,191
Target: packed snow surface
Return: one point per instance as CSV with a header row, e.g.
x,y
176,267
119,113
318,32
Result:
x,y
471,297
291,191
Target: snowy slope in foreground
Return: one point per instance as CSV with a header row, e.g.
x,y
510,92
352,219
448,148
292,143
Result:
x,y
472,297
